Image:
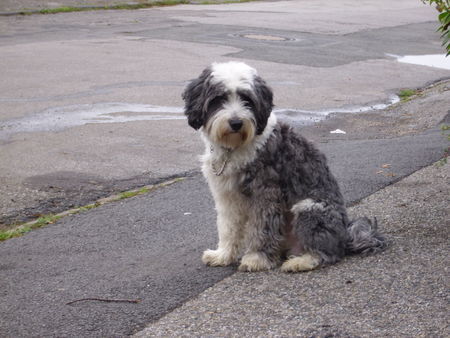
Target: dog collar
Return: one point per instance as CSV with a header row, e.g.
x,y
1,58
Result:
x,y
226,157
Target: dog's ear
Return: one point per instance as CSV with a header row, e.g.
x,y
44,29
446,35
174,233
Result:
x,y
264,103
194,99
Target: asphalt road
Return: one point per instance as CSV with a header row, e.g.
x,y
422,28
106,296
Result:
x,y
71,66
149,248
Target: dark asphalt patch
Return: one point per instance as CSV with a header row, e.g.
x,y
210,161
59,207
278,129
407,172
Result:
x,y
115,251
300,48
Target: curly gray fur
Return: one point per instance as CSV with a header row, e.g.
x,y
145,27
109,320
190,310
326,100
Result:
x,y
276,197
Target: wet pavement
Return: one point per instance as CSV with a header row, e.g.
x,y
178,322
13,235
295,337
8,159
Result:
x,y
435,60
58,119
91,105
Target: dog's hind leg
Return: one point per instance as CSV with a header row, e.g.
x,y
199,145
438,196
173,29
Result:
x,y
263,238
321,229
304,262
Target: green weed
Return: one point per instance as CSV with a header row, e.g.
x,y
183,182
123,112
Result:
x,y
128,194
406,94
69,9
20,230
212,2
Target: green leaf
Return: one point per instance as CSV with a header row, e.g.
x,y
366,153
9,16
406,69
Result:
x,y
444,18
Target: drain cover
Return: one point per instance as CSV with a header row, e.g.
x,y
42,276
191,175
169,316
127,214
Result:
x,y
264,37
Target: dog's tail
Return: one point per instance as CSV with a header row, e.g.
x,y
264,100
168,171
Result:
x,y
364,237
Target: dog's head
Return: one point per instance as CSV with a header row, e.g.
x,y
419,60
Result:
x,y
230,101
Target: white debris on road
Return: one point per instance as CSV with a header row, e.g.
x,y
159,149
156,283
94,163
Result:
x,y
337,131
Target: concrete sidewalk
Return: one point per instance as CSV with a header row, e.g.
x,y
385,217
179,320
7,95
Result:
x,y
402,292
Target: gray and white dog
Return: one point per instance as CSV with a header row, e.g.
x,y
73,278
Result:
x,y
275,196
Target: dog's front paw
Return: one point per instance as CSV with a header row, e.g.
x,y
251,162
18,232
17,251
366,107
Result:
x,y
255,261
217,257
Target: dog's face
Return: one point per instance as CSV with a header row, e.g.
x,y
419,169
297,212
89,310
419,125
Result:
x,y
230,101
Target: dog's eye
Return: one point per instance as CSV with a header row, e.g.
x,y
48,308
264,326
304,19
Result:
x,y
216,103
247,101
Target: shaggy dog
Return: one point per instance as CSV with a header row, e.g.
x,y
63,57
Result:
x,y
276,199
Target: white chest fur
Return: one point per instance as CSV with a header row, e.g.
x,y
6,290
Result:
x,y
224,170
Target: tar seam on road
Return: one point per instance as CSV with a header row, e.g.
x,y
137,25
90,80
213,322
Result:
x,y
27,227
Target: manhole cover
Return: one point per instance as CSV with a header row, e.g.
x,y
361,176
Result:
x,y
264,37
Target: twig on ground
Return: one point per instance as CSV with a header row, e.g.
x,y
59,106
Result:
x,y
109,300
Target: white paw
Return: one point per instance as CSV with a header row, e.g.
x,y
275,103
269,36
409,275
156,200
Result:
x,y
217,257
255,261
305,262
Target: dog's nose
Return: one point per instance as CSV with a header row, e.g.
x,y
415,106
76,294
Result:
x,y
235,124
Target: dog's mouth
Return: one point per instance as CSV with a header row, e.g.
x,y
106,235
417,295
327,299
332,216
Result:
x,y
234,139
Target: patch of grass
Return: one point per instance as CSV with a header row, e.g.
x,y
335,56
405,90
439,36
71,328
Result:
x,y
44,220
128,194
407,94
22,229
89,206
443,161
160,3
65,9
69,9
207,2
7,234
445,132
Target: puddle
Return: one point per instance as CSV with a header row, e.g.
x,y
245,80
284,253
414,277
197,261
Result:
x,y
432,60
263,37
60,118
304,117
